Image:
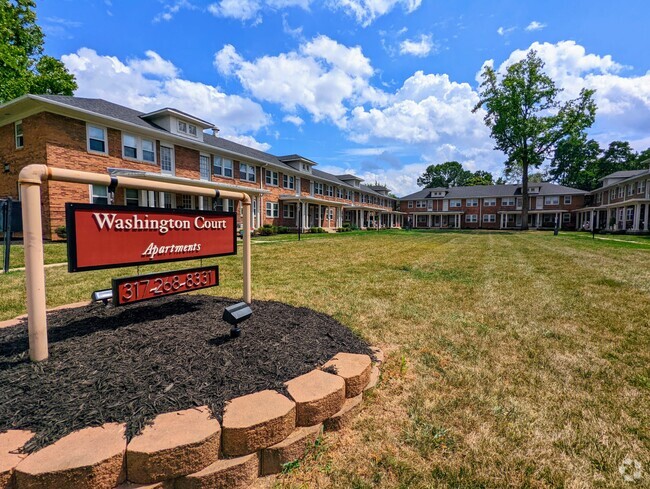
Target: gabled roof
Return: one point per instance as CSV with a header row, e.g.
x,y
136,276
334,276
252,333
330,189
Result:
x,y
508,190
176,112
623,174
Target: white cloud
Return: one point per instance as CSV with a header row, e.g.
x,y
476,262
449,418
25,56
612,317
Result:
x,y
367,11
152,83
249,141
535,26
251,9
293,119
322,77
421,47
502,31
172,8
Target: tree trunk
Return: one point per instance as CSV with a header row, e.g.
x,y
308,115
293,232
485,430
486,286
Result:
x,y
525,201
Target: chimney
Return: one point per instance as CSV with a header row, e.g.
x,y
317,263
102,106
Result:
x,y
215,131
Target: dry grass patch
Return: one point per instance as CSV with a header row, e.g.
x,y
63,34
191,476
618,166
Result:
x,y
517,360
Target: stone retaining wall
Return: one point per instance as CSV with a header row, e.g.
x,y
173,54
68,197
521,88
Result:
x,y
190,449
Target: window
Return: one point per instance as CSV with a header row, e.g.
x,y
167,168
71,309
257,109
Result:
x,y
129,146
318,188
223,167
567,200
629,213
18,130
204,167
471,202
329,190
148,151
271,209
471,218
271,177
166,159
566,217
99,194
410,205
168,200
192,130
640,187
620,192
97,139
551,200
489,218
224,205
187,202
489,202
289,211
289,181
507,201
612,194
131,197
630,189
182,127
330,214
455,203
246,172
339,193
421,204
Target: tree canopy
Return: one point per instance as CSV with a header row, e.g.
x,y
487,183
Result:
x,y
525,117
452,174
23,66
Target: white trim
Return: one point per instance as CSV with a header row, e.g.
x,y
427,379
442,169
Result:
x,y
21,135
104,130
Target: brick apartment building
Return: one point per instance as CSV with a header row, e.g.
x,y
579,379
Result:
x,y
621,203
169,145
493,207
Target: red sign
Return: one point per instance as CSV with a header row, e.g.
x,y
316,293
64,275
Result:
x,y
129,290
102,236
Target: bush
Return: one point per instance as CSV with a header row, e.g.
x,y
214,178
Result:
x,y
344,229
316,230
61,232
267,230
283,230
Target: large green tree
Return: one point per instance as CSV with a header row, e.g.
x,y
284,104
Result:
x,y
452,174
23,66
525,117
575,162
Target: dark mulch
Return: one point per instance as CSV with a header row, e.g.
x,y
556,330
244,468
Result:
x,y
129,364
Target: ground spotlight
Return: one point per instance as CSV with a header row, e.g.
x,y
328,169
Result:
x,y
234,315
102,296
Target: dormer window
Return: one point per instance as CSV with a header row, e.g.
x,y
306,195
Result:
x,y
182,126
192,130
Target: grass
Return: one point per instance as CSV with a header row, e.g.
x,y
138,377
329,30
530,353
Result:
x,y
513,359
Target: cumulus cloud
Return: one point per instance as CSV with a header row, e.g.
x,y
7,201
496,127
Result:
x,y
170,9
322,77
367,11
535,26
503,31
421,47
152,82
293,119
245,10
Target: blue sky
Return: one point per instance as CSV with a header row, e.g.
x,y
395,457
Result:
x,y
380,88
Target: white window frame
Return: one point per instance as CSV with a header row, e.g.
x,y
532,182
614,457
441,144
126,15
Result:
x,y
289,211
127,198
248,171
489,218
205,163
508,201
181,126
566,217
318,188
471,202
88,138
19,135
272,210
329,190
490,202
455,203
93,195
170,147
473,218
620,193
568,200
187,201
289,181
139,148
271,178
221,166
410,204
552,200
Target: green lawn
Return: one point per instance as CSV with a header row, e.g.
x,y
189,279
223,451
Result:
x,y
513,359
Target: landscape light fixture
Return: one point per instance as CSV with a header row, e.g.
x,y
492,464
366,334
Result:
x,y
236,314
102,296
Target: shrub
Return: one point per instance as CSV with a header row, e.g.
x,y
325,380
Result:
x,y
267,230
283,230
61,232
316,230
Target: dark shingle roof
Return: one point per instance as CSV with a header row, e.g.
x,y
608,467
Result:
x,y
623,174
508,190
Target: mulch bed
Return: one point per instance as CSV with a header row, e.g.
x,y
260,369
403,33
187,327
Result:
x,y
131,363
